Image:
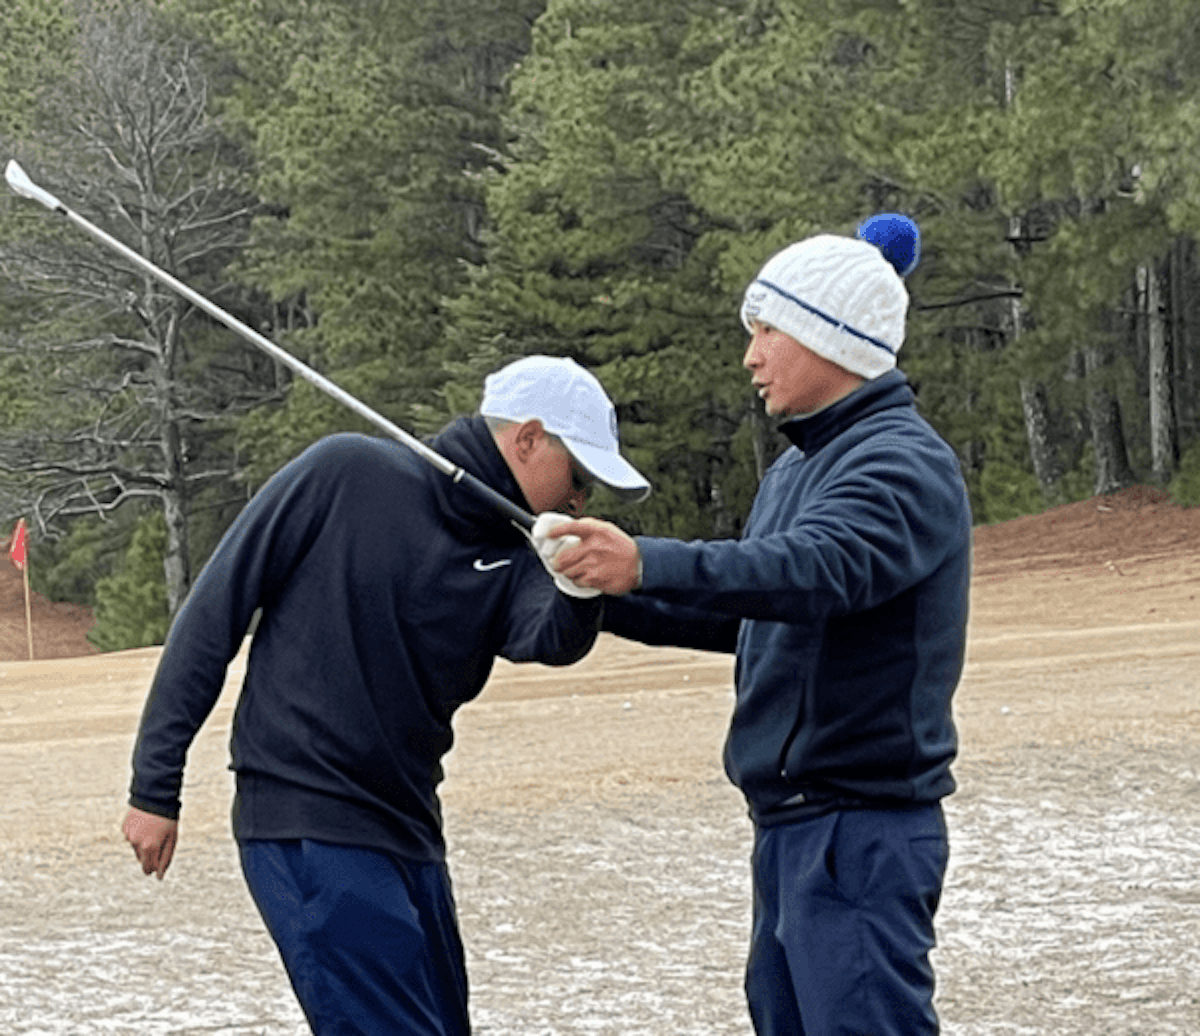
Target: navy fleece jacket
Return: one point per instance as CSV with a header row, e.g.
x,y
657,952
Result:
x,y
846,602
386,594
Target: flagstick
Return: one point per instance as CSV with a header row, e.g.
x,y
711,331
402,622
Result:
x,y
28,614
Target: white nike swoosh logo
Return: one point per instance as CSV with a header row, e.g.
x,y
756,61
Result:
x,y
481,566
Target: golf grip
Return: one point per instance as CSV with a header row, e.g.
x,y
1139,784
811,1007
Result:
x,y
520,517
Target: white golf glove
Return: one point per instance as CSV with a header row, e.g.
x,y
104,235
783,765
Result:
x,y
547,549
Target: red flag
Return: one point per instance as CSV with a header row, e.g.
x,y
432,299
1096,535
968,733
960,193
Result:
x,y
17,550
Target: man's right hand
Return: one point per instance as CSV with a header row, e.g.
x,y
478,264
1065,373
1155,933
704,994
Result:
x,y
153,839
605,558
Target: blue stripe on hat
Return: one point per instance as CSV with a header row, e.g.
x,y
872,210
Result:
x,y
841,325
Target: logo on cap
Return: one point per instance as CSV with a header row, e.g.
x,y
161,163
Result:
x,y
755,297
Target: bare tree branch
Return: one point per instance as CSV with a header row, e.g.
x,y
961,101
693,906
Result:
x,y
132,402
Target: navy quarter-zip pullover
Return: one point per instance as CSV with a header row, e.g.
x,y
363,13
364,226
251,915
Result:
x,y
386,593
846,602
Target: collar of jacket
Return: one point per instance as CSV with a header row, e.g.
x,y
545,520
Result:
x,y
888,390
467,442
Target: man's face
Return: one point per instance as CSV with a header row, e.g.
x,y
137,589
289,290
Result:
x,y
553,480
790,379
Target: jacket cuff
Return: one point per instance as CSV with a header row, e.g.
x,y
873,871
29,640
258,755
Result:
x,y
158,808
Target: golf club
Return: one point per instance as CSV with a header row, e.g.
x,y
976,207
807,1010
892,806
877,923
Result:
x,y
20,182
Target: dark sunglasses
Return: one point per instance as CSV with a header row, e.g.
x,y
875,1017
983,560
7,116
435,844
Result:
x,y
581,481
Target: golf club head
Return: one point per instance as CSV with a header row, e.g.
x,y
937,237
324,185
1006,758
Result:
x,y
22,185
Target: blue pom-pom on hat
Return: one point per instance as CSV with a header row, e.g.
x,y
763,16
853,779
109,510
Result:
x,y
896,236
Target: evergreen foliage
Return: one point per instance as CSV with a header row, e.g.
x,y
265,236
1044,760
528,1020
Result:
x,y
131,605
373,125
1185,486
444,185
69,568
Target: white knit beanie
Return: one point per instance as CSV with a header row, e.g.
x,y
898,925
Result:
x,y
843,298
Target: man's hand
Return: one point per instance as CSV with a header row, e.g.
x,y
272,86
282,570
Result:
x,y
153,839
605,557
547,548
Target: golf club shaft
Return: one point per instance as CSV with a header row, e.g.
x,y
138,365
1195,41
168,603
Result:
x,y
21,184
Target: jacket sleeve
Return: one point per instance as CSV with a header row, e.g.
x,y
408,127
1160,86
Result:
x,y
255,555
544,625
880,521
649,620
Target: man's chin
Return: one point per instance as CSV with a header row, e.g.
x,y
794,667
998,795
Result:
x,y
777,411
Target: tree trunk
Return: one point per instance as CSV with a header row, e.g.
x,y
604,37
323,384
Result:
x,y
1179,307
721,425
177,557
1164,430
761,429
1104,415
1043,451
177,567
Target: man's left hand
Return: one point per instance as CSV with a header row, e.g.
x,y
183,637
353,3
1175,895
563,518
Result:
x,y
548,548
605,557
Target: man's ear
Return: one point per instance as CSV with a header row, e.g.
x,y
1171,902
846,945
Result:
x,y
529,435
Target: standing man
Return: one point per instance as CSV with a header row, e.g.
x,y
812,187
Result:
x,y
386,593
846,603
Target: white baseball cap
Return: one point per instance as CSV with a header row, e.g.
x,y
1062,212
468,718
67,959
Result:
x,y
571,404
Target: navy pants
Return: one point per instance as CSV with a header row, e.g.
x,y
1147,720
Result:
x,y
370,942
843,924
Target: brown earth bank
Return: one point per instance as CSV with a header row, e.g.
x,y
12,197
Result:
x,y
59,630
599,854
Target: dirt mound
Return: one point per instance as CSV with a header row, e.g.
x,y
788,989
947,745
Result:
x,y
59,630
1140,523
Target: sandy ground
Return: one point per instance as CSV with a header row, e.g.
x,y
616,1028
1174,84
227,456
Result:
x,y
600,857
